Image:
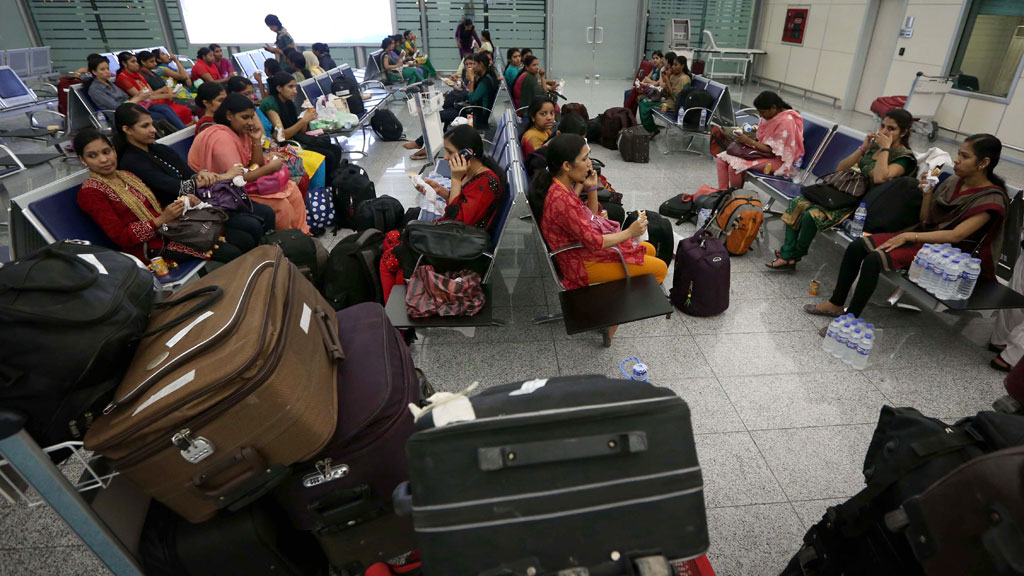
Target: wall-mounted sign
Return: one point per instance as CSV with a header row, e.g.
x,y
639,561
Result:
x,y
796,23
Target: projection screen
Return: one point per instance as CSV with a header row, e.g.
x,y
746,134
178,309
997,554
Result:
x,y
236,22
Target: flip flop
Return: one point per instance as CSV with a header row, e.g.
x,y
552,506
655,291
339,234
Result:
x,y
419,155
812,309
789,266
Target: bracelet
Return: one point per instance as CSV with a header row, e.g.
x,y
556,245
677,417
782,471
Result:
x,y
592,188
885,149
862,149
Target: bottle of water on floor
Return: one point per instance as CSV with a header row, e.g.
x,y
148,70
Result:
x,y
968,278
914,274
851,345
951,280
864,347
830,337
637,372
841,339
857,225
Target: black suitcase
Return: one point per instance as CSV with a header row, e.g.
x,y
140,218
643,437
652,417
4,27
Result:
x,y
546,475
351,479
635,144
306,252
659,233
254,540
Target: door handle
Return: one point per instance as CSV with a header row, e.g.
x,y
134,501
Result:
x,y
601,30
590,38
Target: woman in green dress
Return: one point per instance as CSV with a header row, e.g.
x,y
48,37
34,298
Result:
x,y
409,45
671,84
393,67
884,155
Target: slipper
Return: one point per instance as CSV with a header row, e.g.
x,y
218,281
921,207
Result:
x,y
419,155
1000,364
606,338
996,347
789,266
823,332
812,309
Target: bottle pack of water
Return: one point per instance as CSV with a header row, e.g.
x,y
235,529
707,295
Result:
x,y
945,271
850,340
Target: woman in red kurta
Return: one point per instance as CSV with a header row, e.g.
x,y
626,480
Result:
x,y
966,210
131,80
123,206
565,220
474,198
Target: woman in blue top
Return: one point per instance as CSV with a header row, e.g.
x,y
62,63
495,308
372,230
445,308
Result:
x,y
514,63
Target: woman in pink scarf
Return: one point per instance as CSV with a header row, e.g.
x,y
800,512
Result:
x,y
780,138
237,139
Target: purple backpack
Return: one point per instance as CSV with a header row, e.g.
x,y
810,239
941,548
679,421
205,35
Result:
x,y
226,196
700,284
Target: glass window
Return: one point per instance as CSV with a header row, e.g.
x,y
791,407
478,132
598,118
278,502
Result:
x,y
991,47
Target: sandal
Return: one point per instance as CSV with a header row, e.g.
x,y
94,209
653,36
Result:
x,y
999,364
420,154
812,309
786,266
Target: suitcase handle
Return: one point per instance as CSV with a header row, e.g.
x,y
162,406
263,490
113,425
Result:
x,y
331,340
561,450
256,466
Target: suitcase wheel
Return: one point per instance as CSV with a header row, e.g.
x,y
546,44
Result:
x,y
896,520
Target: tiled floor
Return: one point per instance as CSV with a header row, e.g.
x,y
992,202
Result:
x,y
781,427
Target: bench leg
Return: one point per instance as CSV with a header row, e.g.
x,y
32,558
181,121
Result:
x,y
689,148
895,296
545,318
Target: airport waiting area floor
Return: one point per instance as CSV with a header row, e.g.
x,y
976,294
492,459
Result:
x,y
781,427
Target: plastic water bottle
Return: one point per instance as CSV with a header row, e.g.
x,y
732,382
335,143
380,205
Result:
x,y
798,169
860,361
702,217
842,337
679,120
929,272
968,278
857,227
851,345
638,371
950,279
914,274
703,118
938,269
830,337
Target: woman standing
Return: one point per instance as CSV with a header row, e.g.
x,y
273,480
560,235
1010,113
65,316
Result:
x,y
780,134
565,220
169,177
283,41
966,210
884,155
466,38
237,139
107,96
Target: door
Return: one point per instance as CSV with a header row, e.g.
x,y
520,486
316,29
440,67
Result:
x,y
593,37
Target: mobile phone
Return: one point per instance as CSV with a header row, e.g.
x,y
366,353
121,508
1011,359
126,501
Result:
x,y
466,154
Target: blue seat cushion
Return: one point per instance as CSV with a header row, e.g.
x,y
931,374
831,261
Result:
x,y
64,220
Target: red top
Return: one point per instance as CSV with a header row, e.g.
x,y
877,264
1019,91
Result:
x,y
474,203
118,222
567,220
201,67
128,80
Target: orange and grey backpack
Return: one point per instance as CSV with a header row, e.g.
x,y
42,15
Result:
x,y
739,220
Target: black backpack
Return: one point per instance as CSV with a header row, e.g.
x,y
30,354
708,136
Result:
x,y
384,214
351,185
72,316
354,99
693,97
700,280
659,234
386,125
306,252
352,274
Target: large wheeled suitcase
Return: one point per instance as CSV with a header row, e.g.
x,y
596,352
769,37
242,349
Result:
x,y
635,144
350,480
213,413
971,521
552,474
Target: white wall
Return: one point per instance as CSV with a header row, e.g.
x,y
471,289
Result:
x,y
12,28
825,62
935,31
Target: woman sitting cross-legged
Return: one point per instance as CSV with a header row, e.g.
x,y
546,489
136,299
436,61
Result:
x,y
883,156
477,188
237,139
778,143
965,210
169,177
565,220
279,107
127,211
542,119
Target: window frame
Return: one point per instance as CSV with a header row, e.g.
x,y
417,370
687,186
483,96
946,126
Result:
x,y
961,29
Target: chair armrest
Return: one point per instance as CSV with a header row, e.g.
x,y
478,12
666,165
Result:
x,y
366,83
566,249
464,108
32,117
50,88
622,259
13,156
746,111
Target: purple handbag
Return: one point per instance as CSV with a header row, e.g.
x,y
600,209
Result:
x,y
747,152
226,196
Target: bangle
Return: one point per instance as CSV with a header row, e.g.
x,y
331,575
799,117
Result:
x,y
885,149
862,149
592,188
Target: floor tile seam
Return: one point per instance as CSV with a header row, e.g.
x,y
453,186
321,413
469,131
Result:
x,y
754,332
43,546
844,425
707,507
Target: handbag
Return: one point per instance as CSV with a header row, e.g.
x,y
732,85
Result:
x,y
837,190
448,240
268,184
745,152
848,181
226,196
432,293
199,229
